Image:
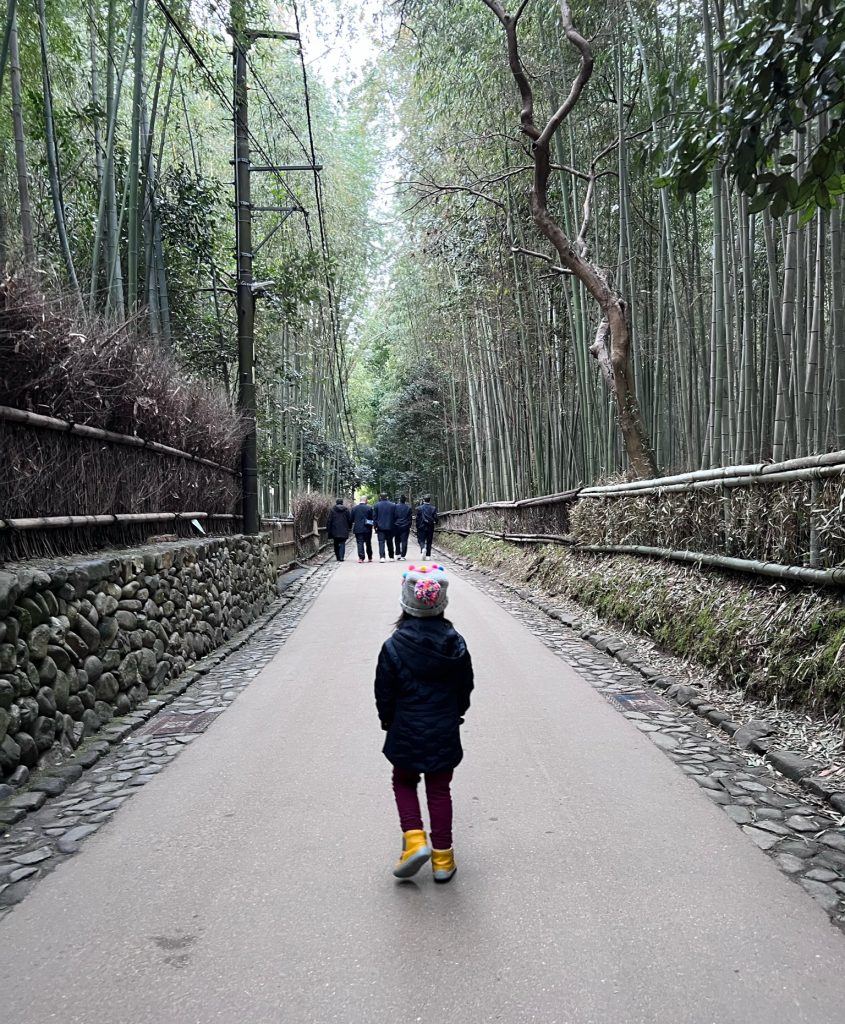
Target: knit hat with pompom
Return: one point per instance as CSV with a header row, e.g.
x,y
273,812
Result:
x,y
424,590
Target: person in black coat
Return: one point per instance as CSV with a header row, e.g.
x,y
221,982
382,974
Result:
x,y
337,527
402,516
362,527
383,516
426,521
423,683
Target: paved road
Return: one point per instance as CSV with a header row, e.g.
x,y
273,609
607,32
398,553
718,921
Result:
x,y
596,883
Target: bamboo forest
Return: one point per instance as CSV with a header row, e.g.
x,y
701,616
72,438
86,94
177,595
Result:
x,y
496,251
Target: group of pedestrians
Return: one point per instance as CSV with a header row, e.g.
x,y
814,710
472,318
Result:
x,y
392,523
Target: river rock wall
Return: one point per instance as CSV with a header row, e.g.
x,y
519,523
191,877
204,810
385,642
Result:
x,y
88,640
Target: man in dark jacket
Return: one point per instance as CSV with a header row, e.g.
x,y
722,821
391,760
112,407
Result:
x,y
383,517
362,527
426,520
337,527
402,516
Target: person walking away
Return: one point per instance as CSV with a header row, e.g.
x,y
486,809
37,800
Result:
x,y
337,527
402,516
383,518
426,521
423,683
362,527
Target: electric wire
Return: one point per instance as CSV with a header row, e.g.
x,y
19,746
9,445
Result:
x,y
339,349
230,108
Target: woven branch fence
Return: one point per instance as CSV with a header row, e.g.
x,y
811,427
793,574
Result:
x,y
70,487
785,520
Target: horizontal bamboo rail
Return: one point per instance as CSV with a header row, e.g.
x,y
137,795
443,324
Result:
x,y
515,538
791,476
60,522
38,422
565,497
807,468
795,573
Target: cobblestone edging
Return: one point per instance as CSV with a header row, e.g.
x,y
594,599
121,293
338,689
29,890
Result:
x,y
38,833
798,829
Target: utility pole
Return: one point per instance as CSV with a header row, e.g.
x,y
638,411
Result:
x,y
247,289
245,295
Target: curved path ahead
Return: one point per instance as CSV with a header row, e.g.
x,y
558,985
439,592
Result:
x,y
249,882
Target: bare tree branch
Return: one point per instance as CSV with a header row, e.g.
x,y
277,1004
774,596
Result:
x,y
612,344
520,11
497,9
540,256
509,23
433,190
581,79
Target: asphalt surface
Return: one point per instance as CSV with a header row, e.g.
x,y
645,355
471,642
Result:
x,y
250,881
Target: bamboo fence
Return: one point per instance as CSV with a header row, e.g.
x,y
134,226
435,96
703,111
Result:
x,y
782,520
66,487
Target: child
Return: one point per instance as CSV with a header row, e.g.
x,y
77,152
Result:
x,y
423,683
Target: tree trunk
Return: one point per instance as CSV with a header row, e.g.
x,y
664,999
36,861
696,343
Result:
x,y
613,309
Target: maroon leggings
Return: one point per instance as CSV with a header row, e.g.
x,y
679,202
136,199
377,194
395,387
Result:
x,y
439,804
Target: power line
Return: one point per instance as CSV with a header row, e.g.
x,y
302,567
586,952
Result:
x,y
340,355
212,81
337,381
230,108
341,399
339,351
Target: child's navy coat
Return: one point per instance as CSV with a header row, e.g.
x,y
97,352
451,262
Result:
x,y
423,682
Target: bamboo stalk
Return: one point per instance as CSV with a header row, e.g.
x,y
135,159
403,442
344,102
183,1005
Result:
x,y
27,234
53,151
516,538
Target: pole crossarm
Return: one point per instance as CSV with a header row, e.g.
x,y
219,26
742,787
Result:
x,y
286,211
278,168
258,33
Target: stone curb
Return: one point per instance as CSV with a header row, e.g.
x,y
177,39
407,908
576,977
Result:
x,y
800,834
798,769
31,794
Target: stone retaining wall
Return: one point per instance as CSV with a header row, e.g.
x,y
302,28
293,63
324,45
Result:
x,y
89,639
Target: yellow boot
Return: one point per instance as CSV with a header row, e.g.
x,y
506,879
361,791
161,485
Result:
x,y
443,864
415,852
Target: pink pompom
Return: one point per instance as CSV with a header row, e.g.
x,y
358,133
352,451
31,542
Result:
x,y
427,592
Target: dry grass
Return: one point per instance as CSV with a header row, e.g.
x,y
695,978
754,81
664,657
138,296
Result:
x,y
766,522
784,646
59,363
308,507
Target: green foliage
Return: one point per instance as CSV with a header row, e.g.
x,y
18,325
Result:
x,y
319,260
784,72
